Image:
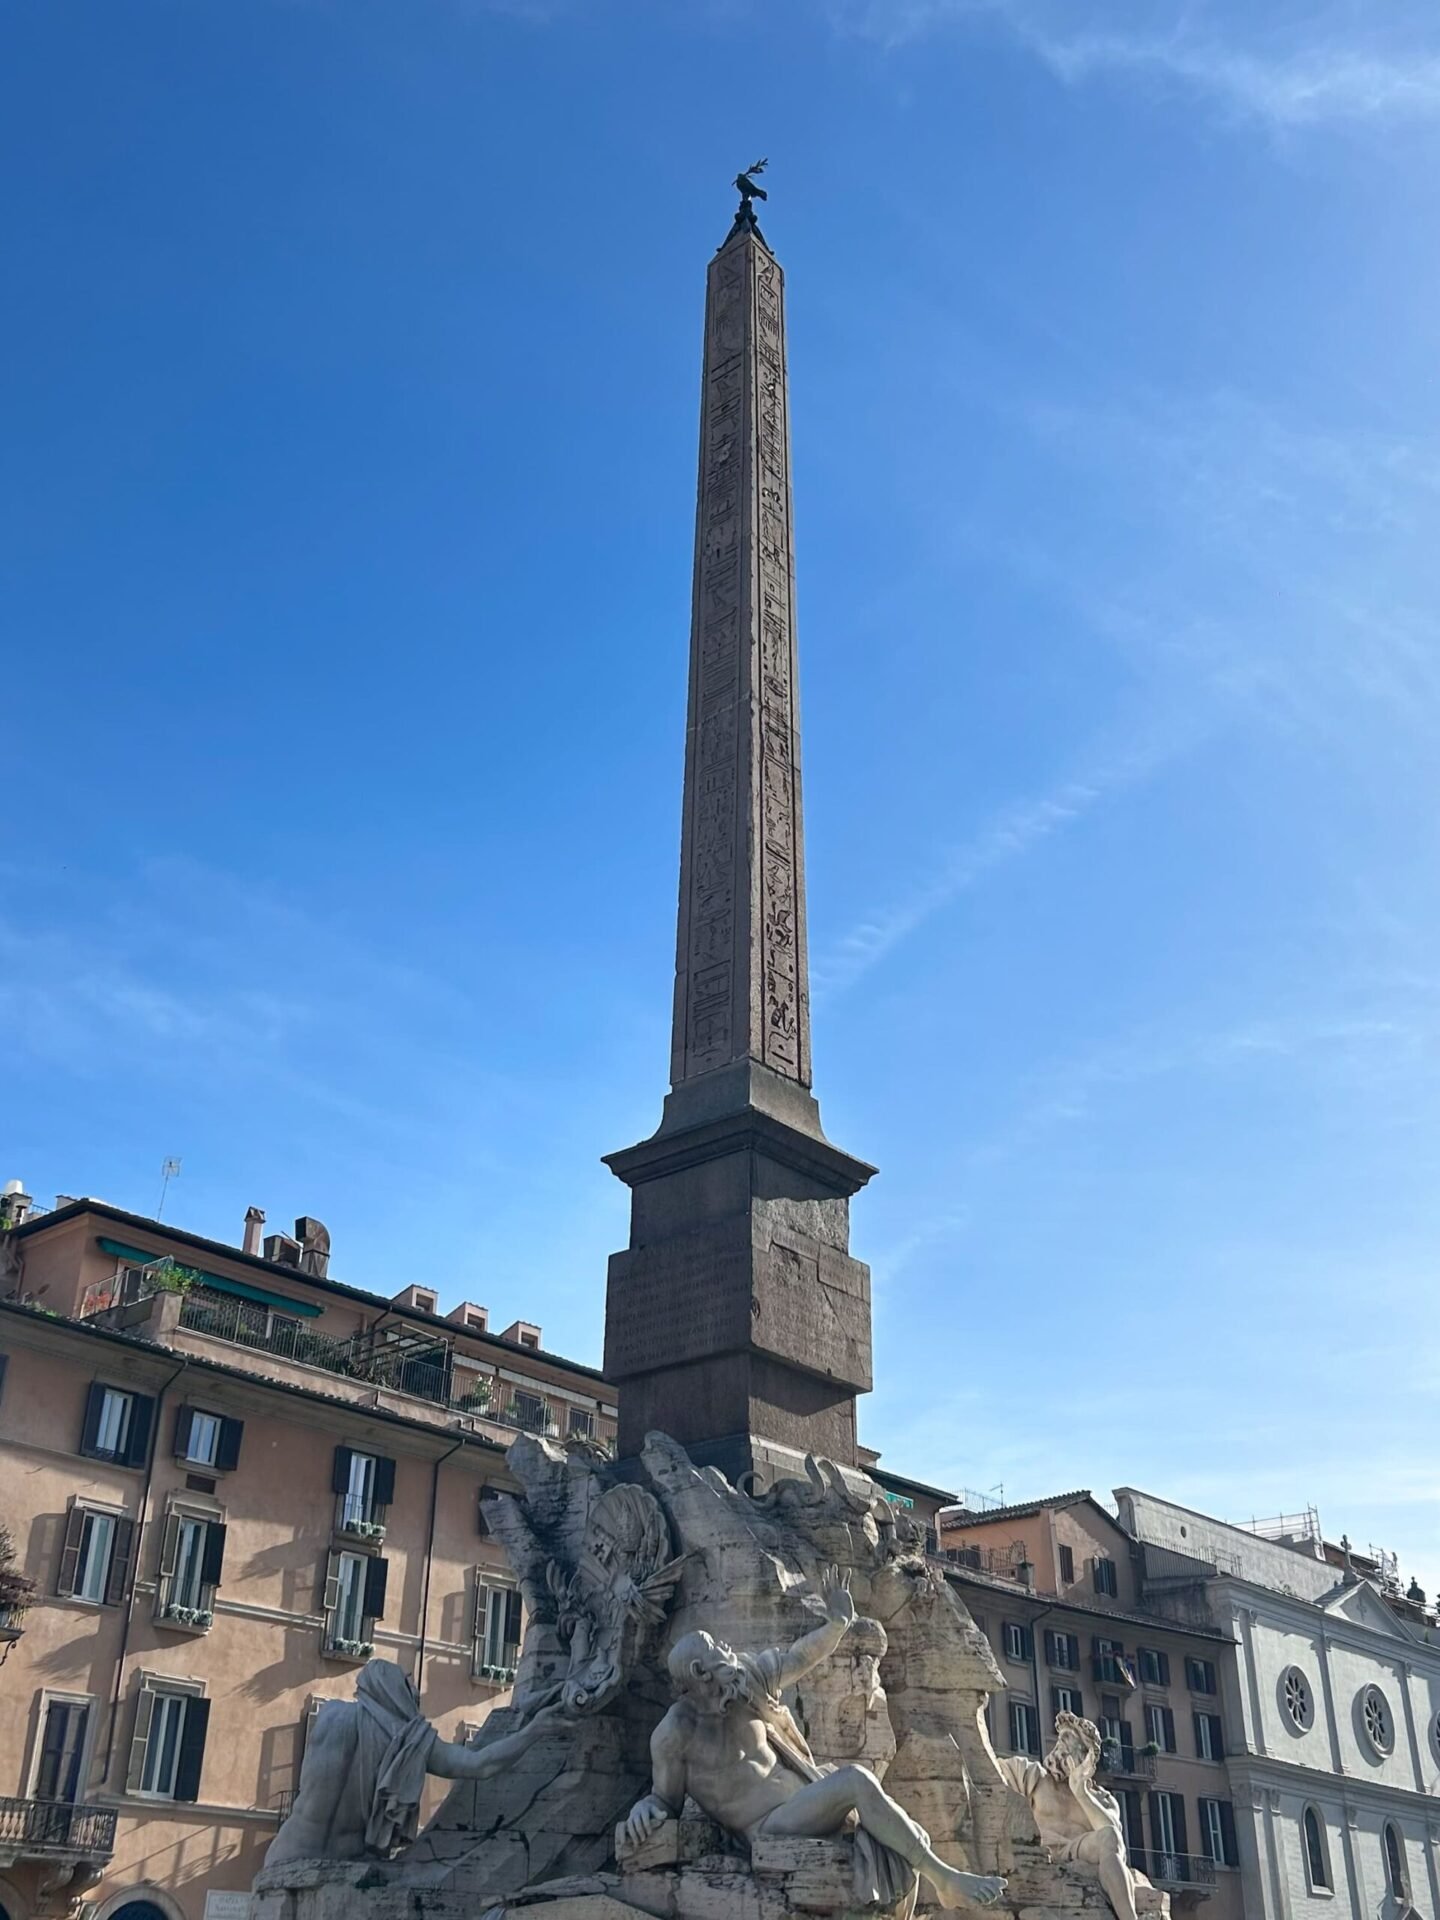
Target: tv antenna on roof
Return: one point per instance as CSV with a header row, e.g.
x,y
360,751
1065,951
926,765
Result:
x,y
169,1170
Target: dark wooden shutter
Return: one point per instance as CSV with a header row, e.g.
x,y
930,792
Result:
x,y
4,1363
1157,1830
1167,1715
384,1480
1027,1642
330,1598
340,1472
1163,1661
377,1572
1227,1833
1217,1737
121,1549
1177,1808
144,1714
212,1560
142,1416
90,1428
227,1449
512,1618
184,1427
191,1757
70,1551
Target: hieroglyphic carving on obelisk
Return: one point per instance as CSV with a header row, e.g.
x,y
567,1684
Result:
x,y
741,988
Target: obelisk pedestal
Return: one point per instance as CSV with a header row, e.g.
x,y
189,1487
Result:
x,y
737,1321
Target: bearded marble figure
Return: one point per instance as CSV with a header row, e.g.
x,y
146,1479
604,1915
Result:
x,y
1078,1820
730,1743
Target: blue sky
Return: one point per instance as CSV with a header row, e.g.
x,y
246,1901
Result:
x,y
347,495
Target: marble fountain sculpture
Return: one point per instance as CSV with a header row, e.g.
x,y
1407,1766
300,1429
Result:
x,y
837,1764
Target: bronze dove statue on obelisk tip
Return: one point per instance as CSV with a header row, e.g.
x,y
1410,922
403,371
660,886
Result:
x,y
736,1320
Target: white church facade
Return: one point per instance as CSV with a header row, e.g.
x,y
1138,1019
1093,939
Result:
x,y
1332,1710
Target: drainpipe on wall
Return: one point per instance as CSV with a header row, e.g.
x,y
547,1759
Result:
x,y
429,1561
141,1522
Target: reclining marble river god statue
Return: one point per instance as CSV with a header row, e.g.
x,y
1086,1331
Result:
x,y
1076,1819
730,1743
365,1766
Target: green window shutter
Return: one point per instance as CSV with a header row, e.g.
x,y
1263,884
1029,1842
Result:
x,y
340,1471
212,1560
90,1427
330,1598
184,1426
144,1713
191,1757
227,1452
512,1618
121,1551
384,1480
70,1551
1227,1833
142,1415
376,1575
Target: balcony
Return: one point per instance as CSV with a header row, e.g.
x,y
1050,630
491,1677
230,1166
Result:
x,y
1174,1869
55,1830
1126,1763
415,1363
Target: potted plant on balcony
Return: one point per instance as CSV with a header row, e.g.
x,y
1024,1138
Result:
x,y
1151,1748
16,1591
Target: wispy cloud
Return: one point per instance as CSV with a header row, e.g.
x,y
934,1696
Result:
x,y
1016,831
1318,64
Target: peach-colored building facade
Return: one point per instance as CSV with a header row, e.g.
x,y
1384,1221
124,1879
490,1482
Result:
x,y
231,1479
1055,1587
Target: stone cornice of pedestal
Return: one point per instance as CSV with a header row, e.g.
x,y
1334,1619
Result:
x,y
749,1131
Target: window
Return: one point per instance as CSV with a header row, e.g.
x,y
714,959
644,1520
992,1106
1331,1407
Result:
x,y
1395,1862
192,1559
364,1484
117,1425
95,1556
1067,1700
1117,1747
1209,1738
1067,1565
1168,1837
1375,1719
1108,1662
1134,1824
1199,1675
1017,1641
58,1773
1297,1700
1024,1727
1160,1728
1062,1650
1106,1578
1154,1667
1317,1852
207,1439
355,1586
1217,1825
497,1631
168,1749
582,1423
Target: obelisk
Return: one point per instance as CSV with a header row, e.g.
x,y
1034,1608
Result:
x,y
737,1321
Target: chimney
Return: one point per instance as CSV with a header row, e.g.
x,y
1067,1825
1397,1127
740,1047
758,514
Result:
x,y
15,1203
280,1248
314,1241
254,1220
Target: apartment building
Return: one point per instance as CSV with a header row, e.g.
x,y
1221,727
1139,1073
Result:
x,y
1055,1587
232,1479
1331,1705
